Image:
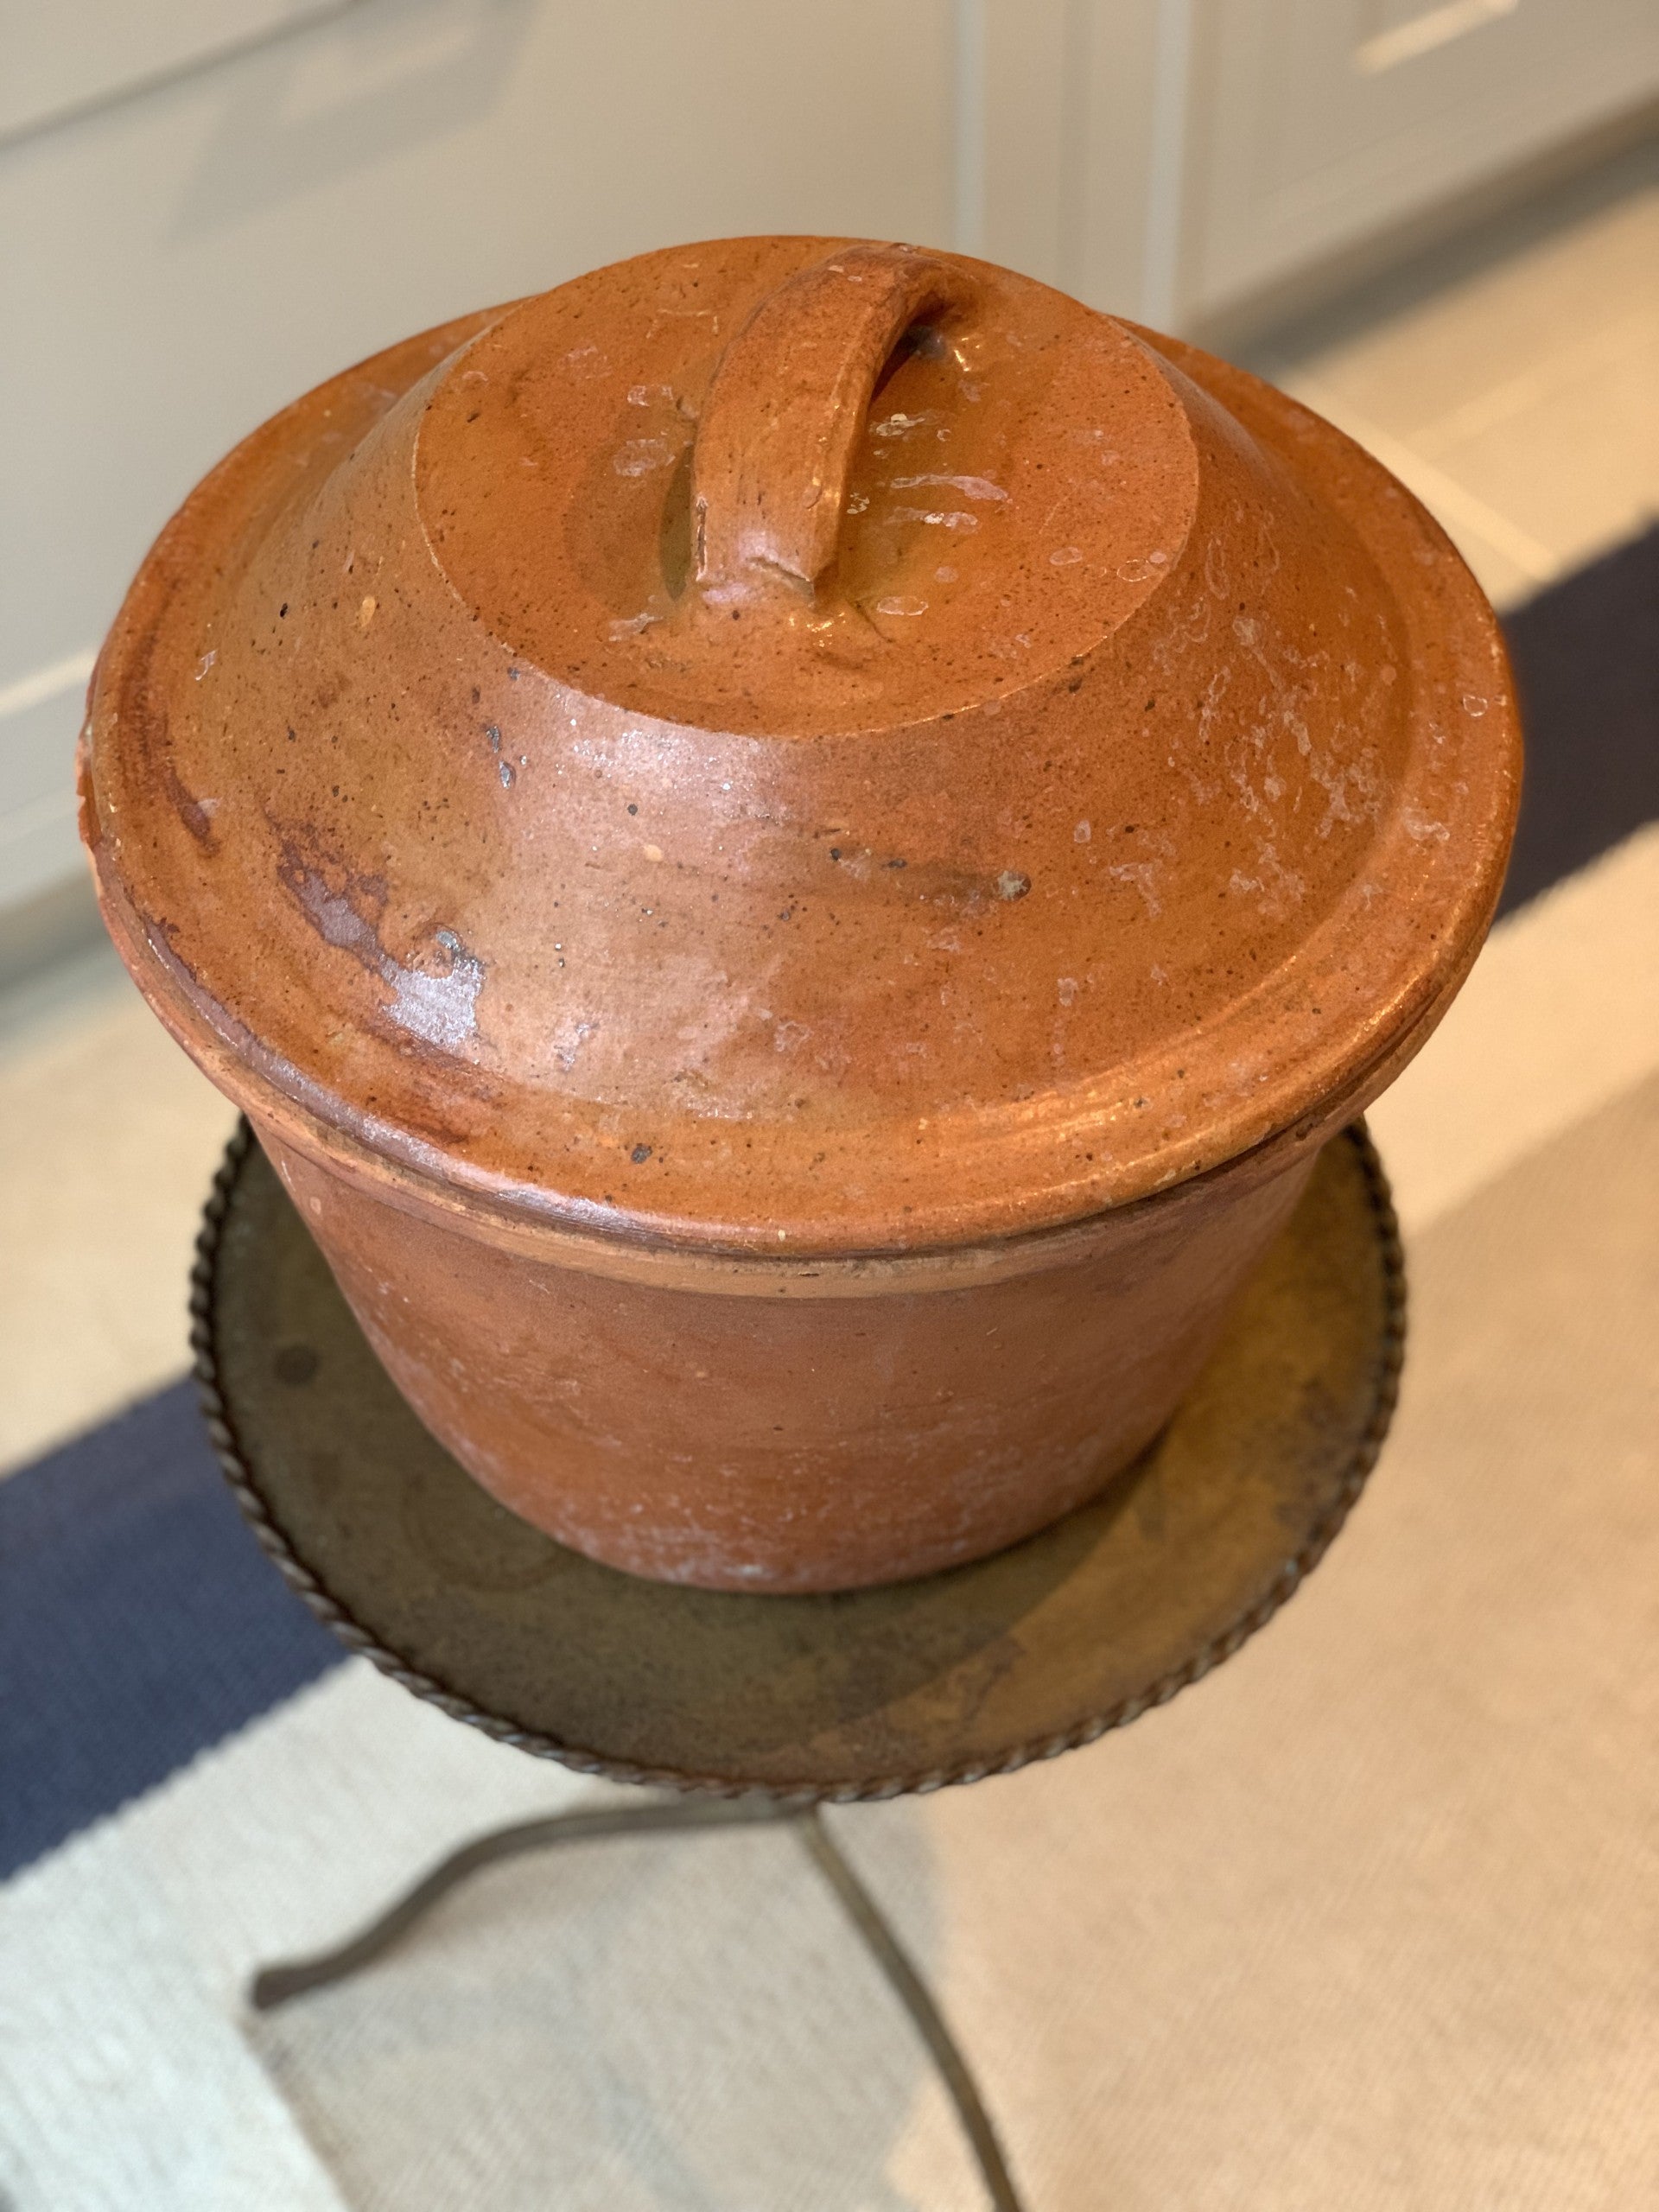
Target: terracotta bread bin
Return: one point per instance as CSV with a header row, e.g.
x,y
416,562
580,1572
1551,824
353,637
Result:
x,y
794,848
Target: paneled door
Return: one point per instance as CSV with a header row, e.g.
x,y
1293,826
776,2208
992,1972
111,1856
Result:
x,y
1311,124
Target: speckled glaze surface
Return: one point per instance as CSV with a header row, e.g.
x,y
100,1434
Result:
x,y
755,830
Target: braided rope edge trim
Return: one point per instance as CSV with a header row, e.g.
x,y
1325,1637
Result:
x,y
221,1430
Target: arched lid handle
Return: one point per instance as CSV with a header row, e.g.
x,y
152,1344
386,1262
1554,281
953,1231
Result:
x,y
786,410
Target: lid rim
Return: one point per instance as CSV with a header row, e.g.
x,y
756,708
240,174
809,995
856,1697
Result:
x,y
251,1077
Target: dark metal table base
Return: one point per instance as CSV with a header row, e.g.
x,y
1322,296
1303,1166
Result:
x,y
274,1985
765,1707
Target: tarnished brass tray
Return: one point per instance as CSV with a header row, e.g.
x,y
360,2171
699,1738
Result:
x,y
862,1695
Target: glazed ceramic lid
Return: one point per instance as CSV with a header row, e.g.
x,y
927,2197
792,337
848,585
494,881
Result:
x,y
800,742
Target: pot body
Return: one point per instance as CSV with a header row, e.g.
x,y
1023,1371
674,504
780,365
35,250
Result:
x,y
761,1425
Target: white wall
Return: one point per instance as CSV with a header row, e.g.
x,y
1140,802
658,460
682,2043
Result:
x,y
1315,122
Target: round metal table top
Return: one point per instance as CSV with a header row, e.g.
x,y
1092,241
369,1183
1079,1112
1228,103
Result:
x,y
863,1694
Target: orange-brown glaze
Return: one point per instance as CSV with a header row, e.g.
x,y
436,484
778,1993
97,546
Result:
x,y
790,751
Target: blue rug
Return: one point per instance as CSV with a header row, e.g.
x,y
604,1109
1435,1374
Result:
x,y
139,1622
1586,670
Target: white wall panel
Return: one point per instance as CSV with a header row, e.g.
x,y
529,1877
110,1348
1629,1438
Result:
x,y
1026,123
1316,123
59,55
1068,133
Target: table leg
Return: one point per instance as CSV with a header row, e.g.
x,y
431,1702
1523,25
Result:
x,y
275,1985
